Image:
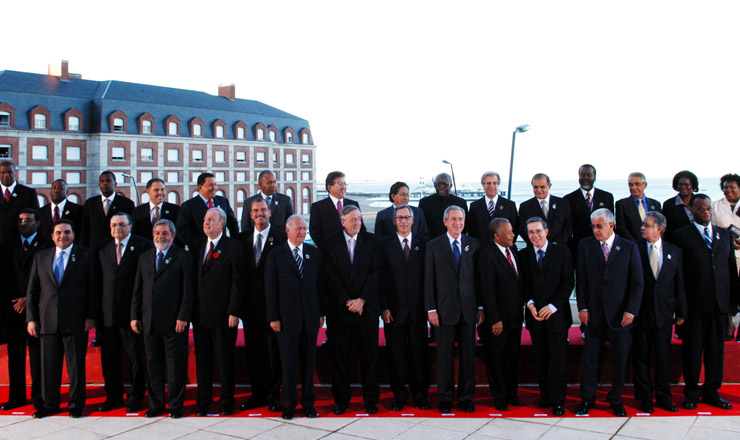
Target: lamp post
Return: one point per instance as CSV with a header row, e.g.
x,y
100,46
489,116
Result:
x,y
519,129
453,175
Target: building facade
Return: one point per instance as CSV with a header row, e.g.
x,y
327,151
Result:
x,y
59,126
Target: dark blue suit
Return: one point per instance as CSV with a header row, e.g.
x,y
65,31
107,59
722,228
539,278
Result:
x,y
384,222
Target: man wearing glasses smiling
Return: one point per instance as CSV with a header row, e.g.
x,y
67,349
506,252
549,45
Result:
x,y
325,213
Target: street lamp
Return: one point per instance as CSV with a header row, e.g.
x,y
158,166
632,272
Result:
x,y
453,175
519,129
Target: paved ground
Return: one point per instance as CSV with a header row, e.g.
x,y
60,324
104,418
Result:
x,y
207,428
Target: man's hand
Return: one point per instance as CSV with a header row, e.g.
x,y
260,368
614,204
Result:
x,y
481,316
680,321
737,243
433,318
533,311
19,304
233,321
89,324
356,305
387,316
181,326
33,329
584,316
545,312
627,319
497,328
136,326
275,326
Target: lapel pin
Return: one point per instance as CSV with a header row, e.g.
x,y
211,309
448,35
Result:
x,y
601,204
131,248
73,258
501,208
15,195
717,236
276,202
66,212
167,212
416,248
616,247
269,240
35,243
167,261
217,254
554,206
467,248
669,256
308,256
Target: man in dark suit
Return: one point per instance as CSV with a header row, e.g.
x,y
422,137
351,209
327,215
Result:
x,y
402,304
98,210
260,341
352,270
281,205
60,309
501,332
325,214
609,294
385,218
434,205
631,210
115,262
547,282
220,262
146,214
296,306
554,210
14,197
17,270
583,202
453,306
663,297
710,274
160,310
488,207
60,207
190,220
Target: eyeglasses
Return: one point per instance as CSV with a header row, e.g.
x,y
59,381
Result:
x,y
341,184
26,220
403,218
600,226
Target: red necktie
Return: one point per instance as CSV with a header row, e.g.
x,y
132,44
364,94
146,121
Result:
x,y
406,250
208,255
7,195
339,207
508,257
210,203
56,214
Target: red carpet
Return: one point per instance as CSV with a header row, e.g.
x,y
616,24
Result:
x,y
484,407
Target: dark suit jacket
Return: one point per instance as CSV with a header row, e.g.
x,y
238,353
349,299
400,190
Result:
x,y
253,304
710,276
143,221
552,284
281,207
95,224
580,213
61,307
22,197
16,267
664,297
675,216
165,296
294,301
384,222
325,221
113,283
72,211
351,280
220,283
558,219
501,289
189,222
453,292
434,208
628,219
478,219
401,280
609,289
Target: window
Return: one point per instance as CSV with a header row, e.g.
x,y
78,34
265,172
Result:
x,y
274,158
172,197
240,132
73,153
261,157
289,137
145,197
118,125
304,138
241,156
306,159
42,199
272,136
118,153
240,196
146,176
306,193
4,119
39,121
173,155
38,178
289,175
146,127
220,156
241,176
173,177
73,123
219,131
73,178
147,154
195,180
221,193
73,198
220,176
197,130
6,152
305,175
260,134
197,155
172,129
290,158
40,152
306,207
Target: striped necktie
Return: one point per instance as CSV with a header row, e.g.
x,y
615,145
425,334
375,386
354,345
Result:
x,y
298,261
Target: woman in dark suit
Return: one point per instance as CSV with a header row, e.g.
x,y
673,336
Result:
x,y
676,209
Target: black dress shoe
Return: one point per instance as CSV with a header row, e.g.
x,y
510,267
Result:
x,y
133,406
583,408
647,406
501,406
397,405
7,406
670,407
445,407
287,413
201,411
153,412
339,409
75,413
718,403
254,402
618,409
275,406
371,408
423,404
38,405
41,413
110,405
176,413
543,403
310,412
514,401
467,406
558,410
689,404
227,410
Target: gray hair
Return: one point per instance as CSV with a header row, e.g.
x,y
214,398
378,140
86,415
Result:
x,y
347,209
453,208
536,220
495,225
658,219
604,213
221,213
293,219
168,223
637,174
411,211
445,175
541,176
490,174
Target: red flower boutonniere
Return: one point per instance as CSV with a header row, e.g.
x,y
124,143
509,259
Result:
x,y
216,255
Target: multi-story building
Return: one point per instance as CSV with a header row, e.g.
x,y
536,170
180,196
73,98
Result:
x,y
62,126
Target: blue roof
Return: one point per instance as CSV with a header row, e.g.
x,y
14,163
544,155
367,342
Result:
x,y
96,100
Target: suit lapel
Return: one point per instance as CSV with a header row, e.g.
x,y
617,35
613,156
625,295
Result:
x,y
171,255
616,247
449,254
71,263
645,257
505,263
49,264
217,250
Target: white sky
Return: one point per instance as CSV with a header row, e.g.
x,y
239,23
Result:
x,y
391,88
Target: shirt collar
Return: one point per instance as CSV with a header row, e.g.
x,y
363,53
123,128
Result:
x,y
11,187
401,238
451,240
547,199
347,236
592,191
111,197
152,205
610,241
164,251
214,241
335,200
679,201
30,239
61,206
292,247
68,251
701,228
501,248
658,244
494,199
125,240
543,248
264,233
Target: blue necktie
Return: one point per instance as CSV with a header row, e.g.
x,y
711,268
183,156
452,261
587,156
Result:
x,y
160,257
707,237
456,252
59,268
298,261
540,257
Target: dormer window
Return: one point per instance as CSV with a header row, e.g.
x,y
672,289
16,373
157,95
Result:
x,y
4,119
260,134
146,127
73,123
197,130
118,125
39,122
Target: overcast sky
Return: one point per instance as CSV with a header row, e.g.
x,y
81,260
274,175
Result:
x,y
391,88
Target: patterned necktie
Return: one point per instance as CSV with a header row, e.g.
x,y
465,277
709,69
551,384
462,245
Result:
x,y
7,195
155,215
160,258
511,261
119,252
540,257
351,242
26,245
456,252
210,203
56,214
605,251
59,268
589,202
543,204
298,261
654,260
641,209
268,200
209,254
258,249
106,206
339,207
707,237
406,249
491,209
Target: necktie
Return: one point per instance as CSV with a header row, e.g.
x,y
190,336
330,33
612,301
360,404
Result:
x,y
491,209
589,202
119,252
511,261
210,203
26,244
544,207
106,206
160,258
298,261
406,249
59,268
456,252
155,214
258,249
7,195
641,209
707,237
540,257
605,250
209,254
351,242
268,200
56,214
654,263
339,207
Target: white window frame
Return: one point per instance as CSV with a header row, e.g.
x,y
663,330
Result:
x,y
220,131
273,136
289,158
197,155
40,152
75,126
241,176
74,154
73,178
260,157
304,138
6,151
197,130
147,157
220,156
121,153
39,121
241,157
173,155
288,138
39,178
289,175
240,132
306,159
173,176
145,176
118,125
220,176
172,129
146,126
4,119
260,134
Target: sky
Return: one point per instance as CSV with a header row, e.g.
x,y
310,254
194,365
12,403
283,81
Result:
x,y
392,88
